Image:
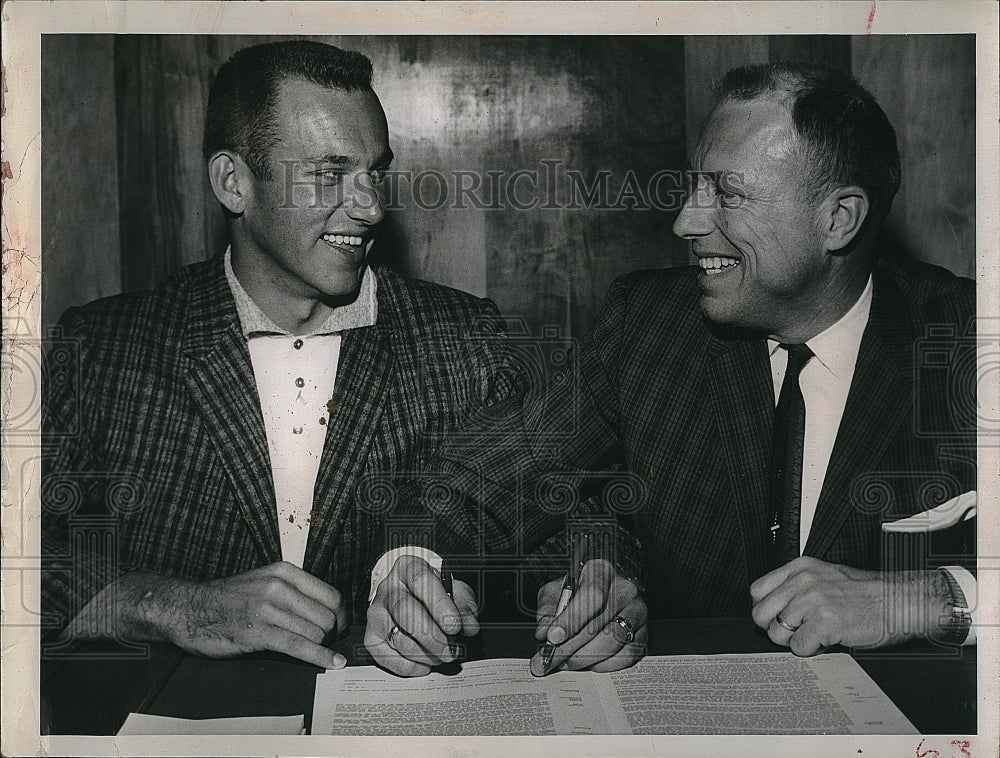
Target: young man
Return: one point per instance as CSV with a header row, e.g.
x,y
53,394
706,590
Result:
x,y
207,463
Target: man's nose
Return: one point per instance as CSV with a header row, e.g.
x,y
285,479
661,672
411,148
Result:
x,y
696,217
364,203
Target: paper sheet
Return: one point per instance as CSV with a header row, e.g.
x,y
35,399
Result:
x,y
772,693
143,723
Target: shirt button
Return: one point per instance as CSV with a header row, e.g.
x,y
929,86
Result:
x,y
296,430
300,382
297,344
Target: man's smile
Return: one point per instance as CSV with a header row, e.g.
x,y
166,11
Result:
x,y
717,264
343,240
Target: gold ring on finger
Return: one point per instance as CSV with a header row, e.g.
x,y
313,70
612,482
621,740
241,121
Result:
x,y
784,625
392,636
627,627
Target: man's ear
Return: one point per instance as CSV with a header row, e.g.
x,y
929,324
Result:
x,y
229,176
843,214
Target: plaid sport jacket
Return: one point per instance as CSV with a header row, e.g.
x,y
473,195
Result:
x,y
684,410
154,450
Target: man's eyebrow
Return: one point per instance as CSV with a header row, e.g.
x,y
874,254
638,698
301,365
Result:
x,y
343,160
336,160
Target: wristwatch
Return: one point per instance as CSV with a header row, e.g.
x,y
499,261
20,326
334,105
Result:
x,y
960,621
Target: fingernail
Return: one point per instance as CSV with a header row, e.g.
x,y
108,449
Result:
x,y
557,635
339,661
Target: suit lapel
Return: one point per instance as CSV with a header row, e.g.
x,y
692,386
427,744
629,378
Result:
x,y
363,377
742,392
879,400
219,377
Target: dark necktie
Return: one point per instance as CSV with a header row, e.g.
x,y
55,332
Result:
x,y
786,463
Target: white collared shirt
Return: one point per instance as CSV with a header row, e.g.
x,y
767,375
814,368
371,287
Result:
x,y
825,382
296,376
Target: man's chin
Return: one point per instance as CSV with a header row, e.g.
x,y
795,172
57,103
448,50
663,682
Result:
x,y
717,309
343,288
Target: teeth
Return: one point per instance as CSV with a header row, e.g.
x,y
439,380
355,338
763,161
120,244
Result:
x,y
716,264
342,239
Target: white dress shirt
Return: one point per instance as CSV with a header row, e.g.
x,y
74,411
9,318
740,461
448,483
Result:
x,y
296,376
825,382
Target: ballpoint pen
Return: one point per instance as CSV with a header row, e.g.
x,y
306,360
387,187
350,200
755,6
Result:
x,y
447,580
569,587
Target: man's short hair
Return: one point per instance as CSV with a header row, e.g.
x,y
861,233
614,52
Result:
x,y
848,136
240,114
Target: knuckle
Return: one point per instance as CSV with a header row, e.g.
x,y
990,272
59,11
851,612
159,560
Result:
x,y
599,597
814,597
626,589
405,565
329,621
274,587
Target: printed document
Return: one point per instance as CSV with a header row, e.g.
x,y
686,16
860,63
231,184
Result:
x,y
771,693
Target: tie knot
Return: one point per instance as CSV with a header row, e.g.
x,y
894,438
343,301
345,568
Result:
x,y
798,356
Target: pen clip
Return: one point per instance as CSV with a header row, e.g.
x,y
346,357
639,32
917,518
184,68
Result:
x,y
447,580
581,554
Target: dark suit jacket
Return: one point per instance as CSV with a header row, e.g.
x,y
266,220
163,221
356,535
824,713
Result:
x,y
683,411
155,451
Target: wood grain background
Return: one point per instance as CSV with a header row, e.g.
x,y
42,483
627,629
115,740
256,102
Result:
x,y
125,200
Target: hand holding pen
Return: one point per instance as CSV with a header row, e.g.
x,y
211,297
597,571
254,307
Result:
x,y
415,616
581,554
594,619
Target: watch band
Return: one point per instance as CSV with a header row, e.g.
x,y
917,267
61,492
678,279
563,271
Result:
x,y
960,621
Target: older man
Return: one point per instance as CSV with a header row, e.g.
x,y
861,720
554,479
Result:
x,y
773,402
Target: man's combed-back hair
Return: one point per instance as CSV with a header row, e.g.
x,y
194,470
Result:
x,y
241,104
848,137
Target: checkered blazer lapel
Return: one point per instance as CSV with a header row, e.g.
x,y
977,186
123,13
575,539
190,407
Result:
x,y
364,374
880,399
219,376
743,398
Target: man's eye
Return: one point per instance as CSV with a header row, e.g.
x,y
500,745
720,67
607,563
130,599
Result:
x,y
727,199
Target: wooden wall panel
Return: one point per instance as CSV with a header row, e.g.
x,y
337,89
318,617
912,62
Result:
x,y
926,85
706,59
510,104
80,253
162,86
832,49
